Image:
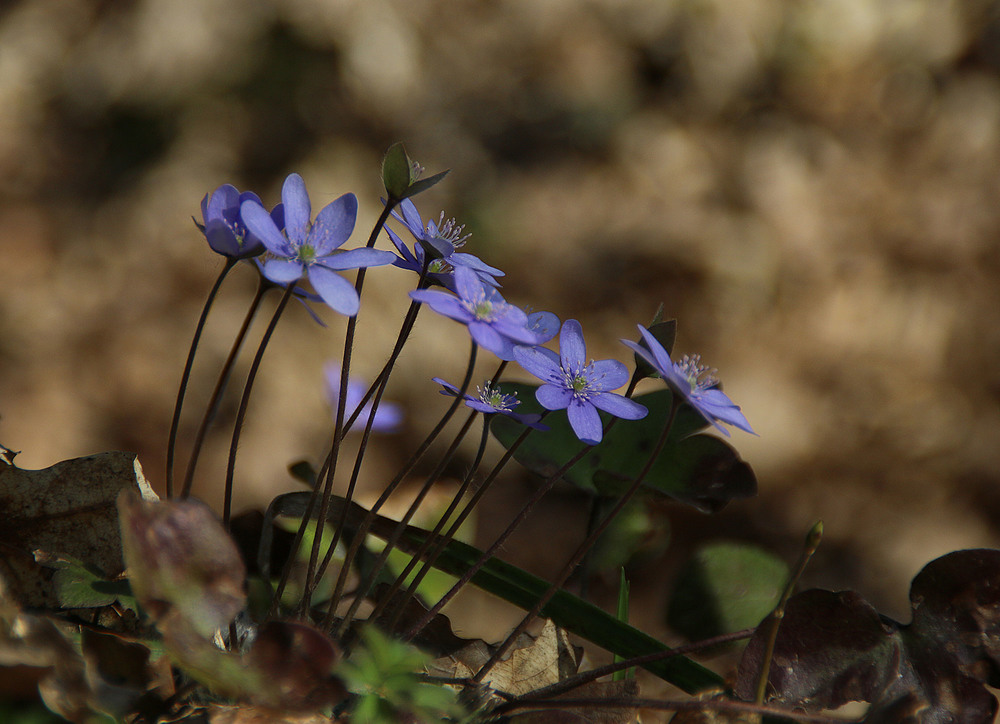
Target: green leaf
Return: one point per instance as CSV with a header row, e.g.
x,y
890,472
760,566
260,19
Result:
x,y
396,171
423,184
725,587
79,585
699,470
518,587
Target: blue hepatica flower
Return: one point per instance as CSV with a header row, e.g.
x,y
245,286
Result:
x,y
580,387
388,416
491,401
692,382
443,238
224,228
493,324
311,248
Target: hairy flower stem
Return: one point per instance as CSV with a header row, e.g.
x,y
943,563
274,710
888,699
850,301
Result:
x,y
390,543
387,597
245,401
362,531
378,388
514,524
220,385
582,549
338,429
186,375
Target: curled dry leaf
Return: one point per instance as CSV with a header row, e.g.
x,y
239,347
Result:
x,y
66,509
532,664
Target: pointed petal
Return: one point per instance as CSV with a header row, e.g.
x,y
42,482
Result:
x,y
334,224
338,293
297,208
553,397
262,226
618,406
357,259
467,283
585,421
572,349
283,271
461,258
607,374
542,363
411,218
660,355
443,303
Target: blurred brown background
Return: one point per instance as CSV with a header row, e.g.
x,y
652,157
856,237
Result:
x,y
810,188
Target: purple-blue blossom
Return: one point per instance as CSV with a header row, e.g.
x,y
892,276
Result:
x,y
494,324
444,238
692,382
491,401
311,248
388,416
223,226
578,386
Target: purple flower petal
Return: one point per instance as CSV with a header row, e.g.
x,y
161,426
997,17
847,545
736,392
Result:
x,y
443,303
542,363
337,292
486,337
553,397
572,349
607,374
261,225
618,406
283,271
334,224
357,259
221,238
297,208
585,421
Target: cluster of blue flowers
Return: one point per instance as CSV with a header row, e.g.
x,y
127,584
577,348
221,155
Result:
x,y
288,245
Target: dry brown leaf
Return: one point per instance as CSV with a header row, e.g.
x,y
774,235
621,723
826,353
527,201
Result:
x,y
68,508
603,690
531,664
218,714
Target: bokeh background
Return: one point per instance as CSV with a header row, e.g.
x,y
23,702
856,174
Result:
x,y
811,188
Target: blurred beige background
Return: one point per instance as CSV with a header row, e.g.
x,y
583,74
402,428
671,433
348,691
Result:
x,y
810,188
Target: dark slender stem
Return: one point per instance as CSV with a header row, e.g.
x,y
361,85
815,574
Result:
x,y
245,401
581,551
185,376
359,536
521,516
338,431
720,705
812,543
416,556
379,388
213,404
400,528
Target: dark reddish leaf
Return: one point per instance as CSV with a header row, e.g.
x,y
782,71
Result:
x,y
181,562
296,663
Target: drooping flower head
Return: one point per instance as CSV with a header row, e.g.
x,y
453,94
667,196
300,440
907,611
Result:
x,y
223,225
311,248
443,238
494,324
578,386
490,400
388,416
693,382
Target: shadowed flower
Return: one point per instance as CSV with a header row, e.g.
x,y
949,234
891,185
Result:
x,y
224,228
311,248
388,416
493,324
442,239
693,382
491,401
579,387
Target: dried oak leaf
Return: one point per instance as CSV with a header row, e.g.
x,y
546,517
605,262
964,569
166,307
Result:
x,y
68,509
531,664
